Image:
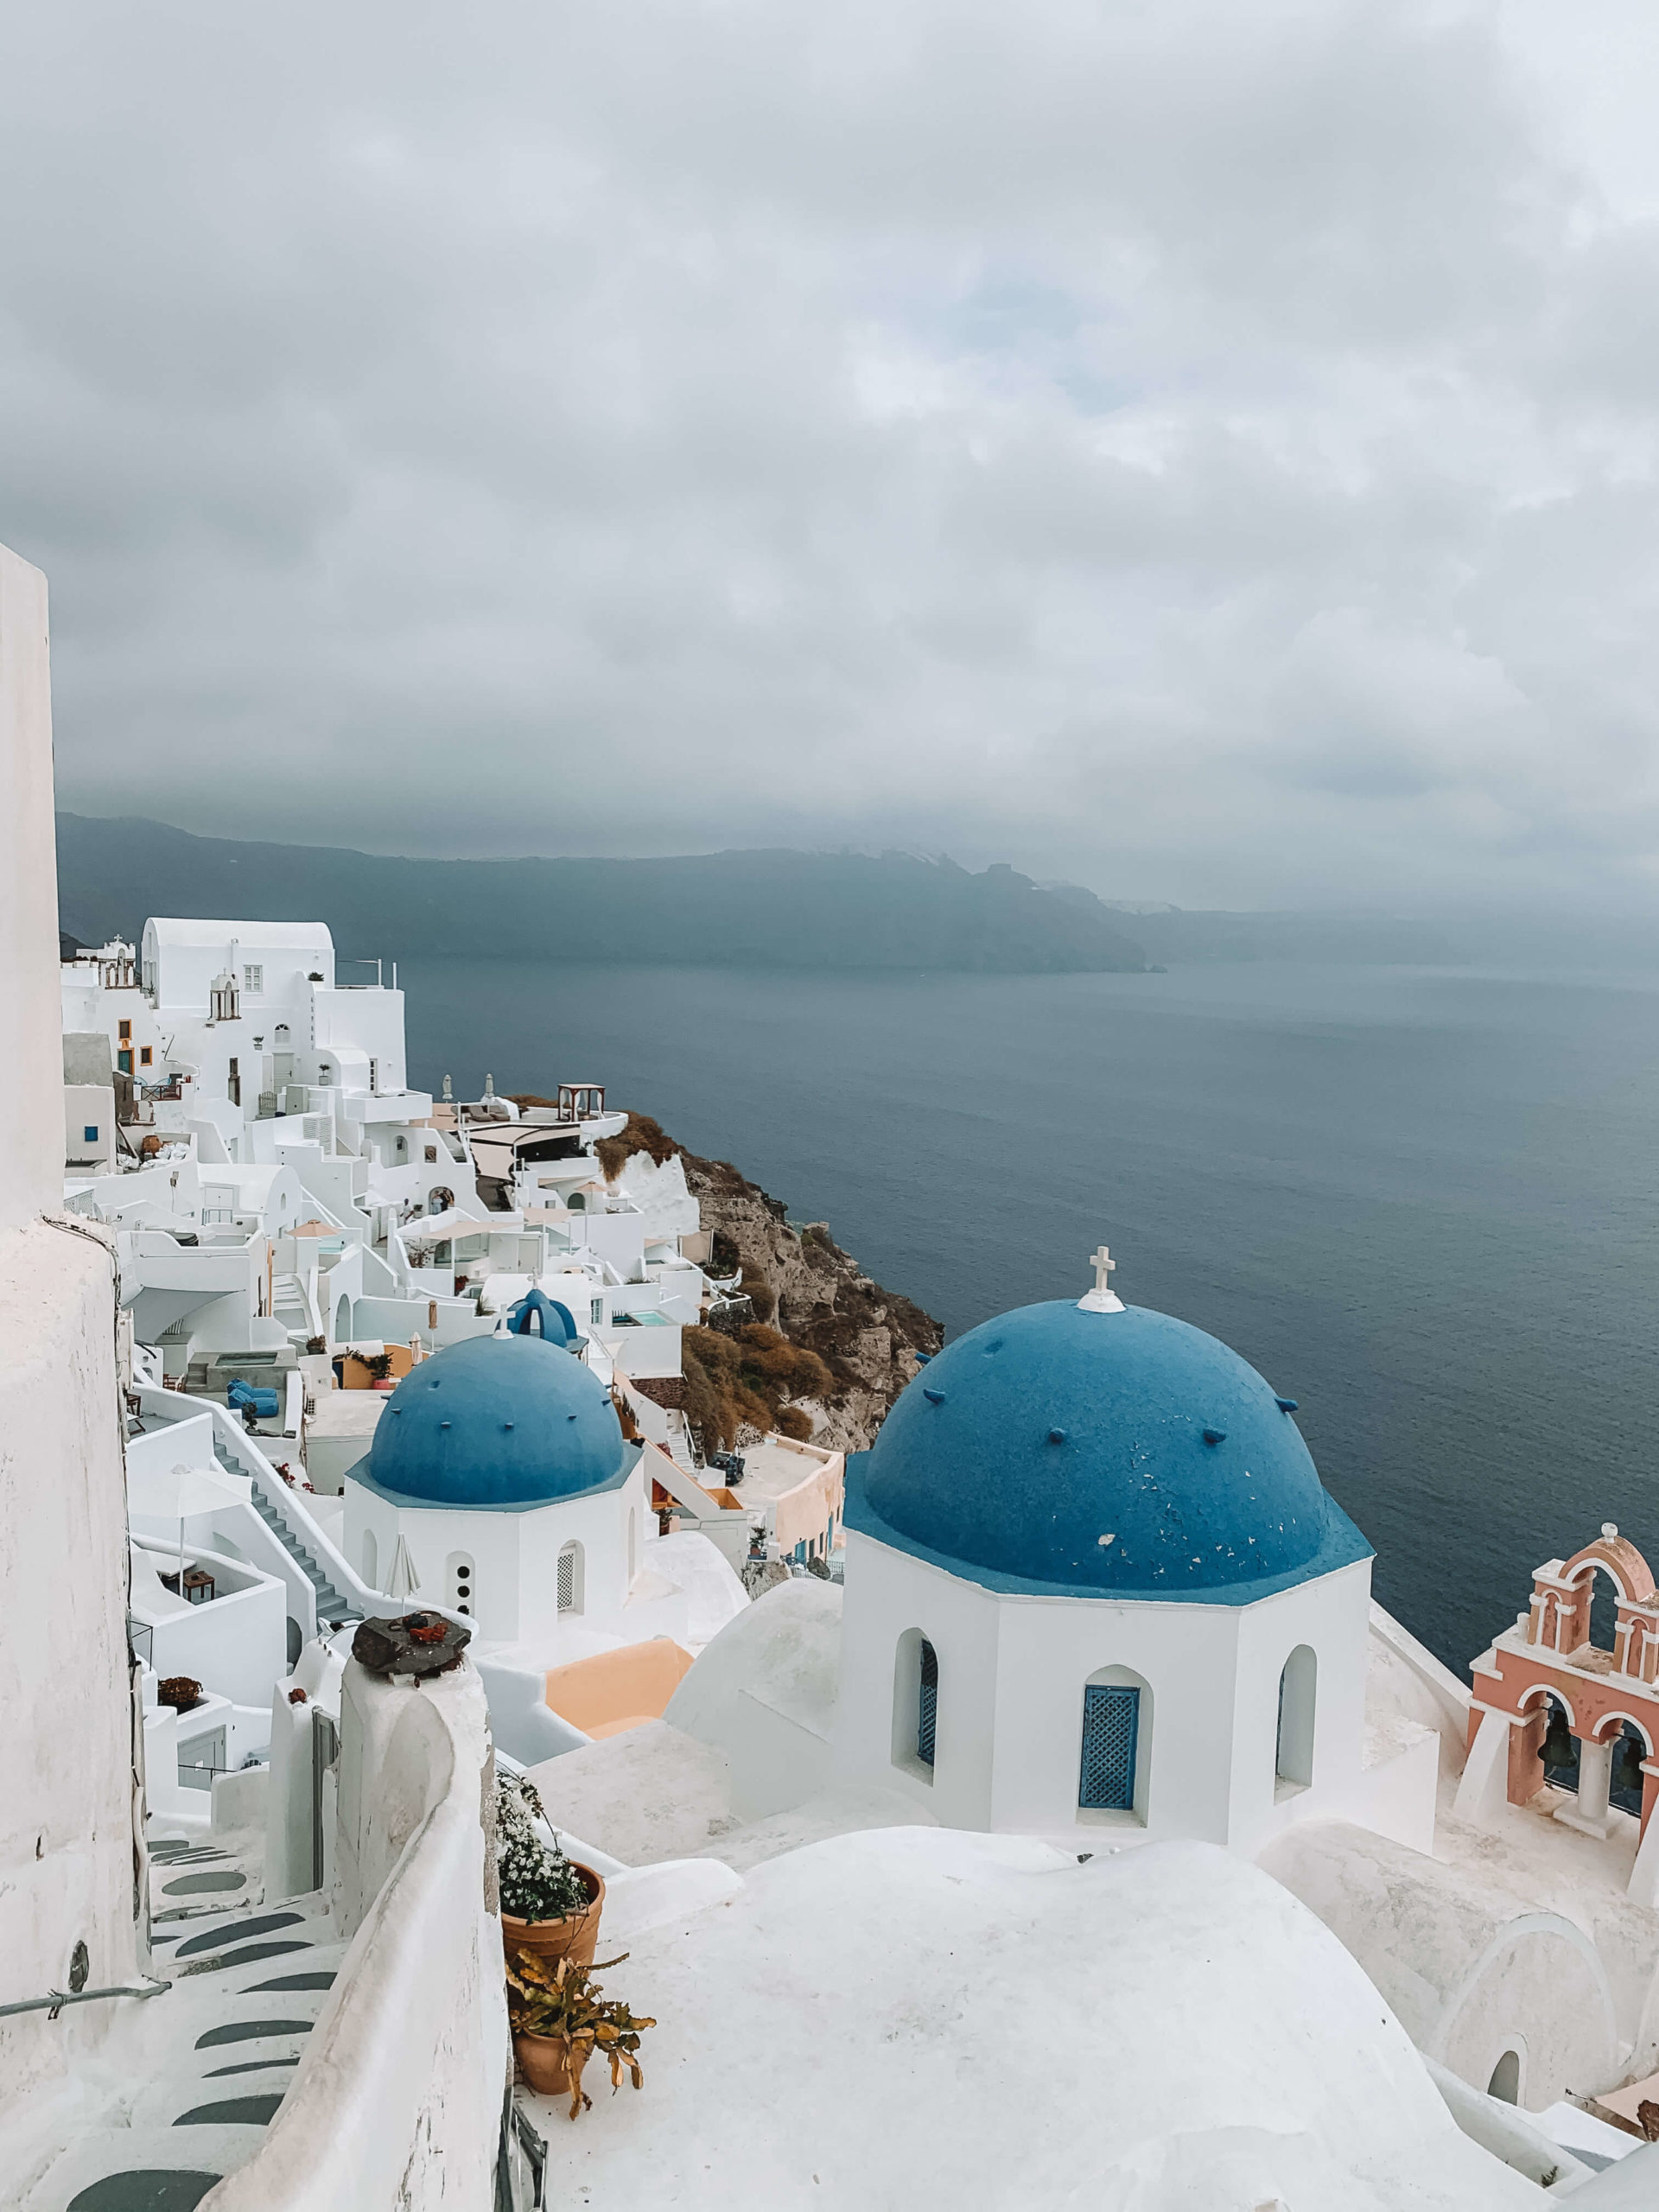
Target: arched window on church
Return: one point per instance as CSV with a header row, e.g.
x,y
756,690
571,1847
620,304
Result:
x,y
915,1705
1559,1750
570,1577
371,1560
927,1704
1115,1766
1625,1782
1298,1696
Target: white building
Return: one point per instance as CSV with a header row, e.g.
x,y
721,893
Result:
x,y
1095,1587
500,1486
500,1469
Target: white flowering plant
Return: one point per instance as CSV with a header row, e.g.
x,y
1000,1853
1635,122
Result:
x,y
537,1881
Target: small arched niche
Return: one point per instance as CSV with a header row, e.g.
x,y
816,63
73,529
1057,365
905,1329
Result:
x,y
1114,1756
1298,1701
371,1560
915,1705
570,1577
1505,2084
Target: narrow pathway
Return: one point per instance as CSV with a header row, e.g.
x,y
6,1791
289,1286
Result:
x,y
189,2080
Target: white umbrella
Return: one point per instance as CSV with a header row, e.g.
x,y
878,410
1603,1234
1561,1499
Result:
x,y
181,1494
403,1582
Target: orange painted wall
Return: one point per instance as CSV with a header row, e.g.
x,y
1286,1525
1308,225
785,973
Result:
x,y
1591,1698
616,1690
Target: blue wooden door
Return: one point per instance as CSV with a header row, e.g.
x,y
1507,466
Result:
x,y
1111,1724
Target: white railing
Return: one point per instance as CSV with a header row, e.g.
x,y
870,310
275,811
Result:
x,y
288,1505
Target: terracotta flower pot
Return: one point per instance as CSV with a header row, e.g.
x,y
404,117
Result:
x,y
574,1938
542,2063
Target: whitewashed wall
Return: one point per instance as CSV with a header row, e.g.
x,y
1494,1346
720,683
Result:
x,y
515,1559
1012,1671
31,1161
66,1841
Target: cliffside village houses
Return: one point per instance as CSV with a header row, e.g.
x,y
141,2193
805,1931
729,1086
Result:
x,y
1035,1808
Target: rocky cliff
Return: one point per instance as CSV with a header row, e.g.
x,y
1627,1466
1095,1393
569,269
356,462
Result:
x,y
858,1342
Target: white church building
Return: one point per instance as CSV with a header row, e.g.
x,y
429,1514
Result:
x,y
501,1470
1093,1585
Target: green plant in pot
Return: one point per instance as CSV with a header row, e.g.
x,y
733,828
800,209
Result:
x,y
560,2020
551,1904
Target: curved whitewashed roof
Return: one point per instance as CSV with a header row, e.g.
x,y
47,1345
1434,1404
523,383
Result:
x,y
170,930
946,2018
783,1652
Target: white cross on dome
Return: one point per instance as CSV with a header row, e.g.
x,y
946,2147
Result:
x,y
1103,1299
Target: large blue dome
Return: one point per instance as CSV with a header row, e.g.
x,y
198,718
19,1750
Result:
x,y
507,1421
1095,1454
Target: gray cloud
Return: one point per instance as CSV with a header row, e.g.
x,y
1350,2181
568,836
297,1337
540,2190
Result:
x,y
1209,452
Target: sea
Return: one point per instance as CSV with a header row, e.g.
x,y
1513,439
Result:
x,y
1422,1201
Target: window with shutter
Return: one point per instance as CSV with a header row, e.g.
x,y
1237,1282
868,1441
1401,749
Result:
x,y
928,1709
1111,1722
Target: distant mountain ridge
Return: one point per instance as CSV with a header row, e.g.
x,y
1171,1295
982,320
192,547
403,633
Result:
x,y
1179,936
764,909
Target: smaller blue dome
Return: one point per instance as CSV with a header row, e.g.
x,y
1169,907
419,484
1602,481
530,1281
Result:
x,y
537,1314
507,1422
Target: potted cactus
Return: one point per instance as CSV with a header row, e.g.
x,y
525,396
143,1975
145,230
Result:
x,y
560,2020
551,1904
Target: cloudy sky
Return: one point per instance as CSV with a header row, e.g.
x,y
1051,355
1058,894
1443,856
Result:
x,y
1206,451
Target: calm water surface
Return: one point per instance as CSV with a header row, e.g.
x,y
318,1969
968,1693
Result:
x,y
1421,1201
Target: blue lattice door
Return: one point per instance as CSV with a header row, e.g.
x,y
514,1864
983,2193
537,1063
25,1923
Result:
x,y
928,1709
1111,1725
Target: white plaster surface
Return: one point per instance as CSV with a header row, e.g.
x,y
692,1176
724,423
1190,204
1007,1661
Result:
x,y
1462,1964
650,1793
640,1898
764,1692
940,2019
66,1788
1632,2185
842,1811
31,1159
714,1593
